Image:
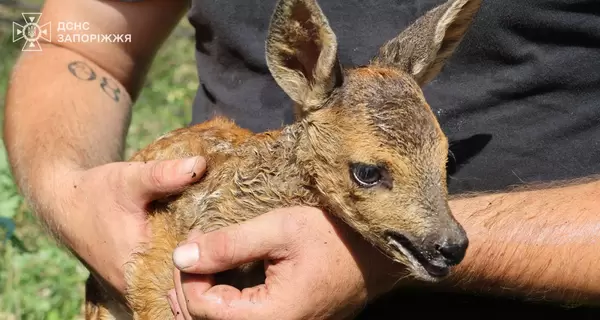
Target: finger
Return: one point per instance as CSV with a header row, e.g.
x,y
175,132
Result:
x,y
176,306
192,289
226,302
219,302
202,299
264,237
156,179
186,292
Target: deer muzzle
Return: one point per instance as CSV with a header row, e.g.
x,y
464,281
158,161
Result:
x,y
433,255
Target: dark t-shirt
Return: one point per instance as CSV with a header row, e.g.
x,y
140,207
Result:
x,y
520,97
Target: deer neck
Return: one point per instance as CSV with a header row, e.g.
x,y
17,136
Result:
x,y
265,175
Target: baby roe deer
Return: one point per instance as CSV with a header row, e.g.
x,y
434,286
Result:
x,y
366,147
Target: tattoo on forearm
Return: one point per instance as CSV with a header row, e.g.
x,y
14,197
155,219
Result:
x,y
110,88
83,71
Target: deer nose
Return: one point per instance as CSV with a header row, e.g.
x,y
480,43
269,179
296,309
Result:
x,y
453,250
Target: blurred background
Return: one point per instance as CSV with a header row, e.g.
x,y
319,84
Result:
x,y
39,279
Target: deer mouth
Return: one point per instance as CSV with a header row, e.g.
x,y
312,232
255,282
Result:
x,y
423,264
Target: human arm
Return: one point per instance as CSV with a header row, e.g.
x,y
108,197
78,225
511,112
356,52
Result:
x,y
536,242
67,113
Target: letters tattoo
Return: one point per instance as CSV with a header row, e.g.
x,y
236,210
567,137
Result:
x,y
83,71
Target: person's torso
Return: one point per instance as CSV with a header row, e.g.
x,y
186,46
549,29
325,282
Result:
x,y
526,76
520,97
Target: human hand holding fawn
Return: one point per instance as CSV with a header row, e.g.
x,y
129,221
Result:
x,y
315,267
109,205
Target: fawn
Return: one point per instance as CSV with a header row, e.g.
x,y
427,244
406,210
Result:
x,y
365,146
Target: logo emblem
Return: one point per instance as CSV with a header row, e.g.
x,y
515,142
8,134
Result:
x,y
31,31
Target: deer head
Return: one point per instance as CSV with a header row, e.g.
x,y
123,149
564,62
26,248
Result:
x,y
370,143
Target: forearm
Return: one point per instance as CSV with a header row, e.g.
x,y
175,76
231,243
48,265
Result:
x,y
63,113
537,244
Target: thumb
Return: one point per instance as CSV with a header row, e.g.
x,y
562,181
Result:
x,y
159,178
261,238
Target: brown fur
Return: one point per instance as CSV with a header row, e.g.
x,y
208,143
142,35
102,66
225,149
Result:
x,y
373,115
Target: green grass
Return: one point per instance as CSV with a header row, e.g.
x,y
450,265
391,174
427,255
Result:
x,y
38,279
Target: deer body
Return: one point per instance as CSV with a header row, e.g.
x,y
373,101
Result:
x,y
246,174
366,148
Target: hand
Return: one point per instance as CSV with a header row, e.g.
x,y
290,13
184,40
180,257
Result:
x,y
107,207
316,268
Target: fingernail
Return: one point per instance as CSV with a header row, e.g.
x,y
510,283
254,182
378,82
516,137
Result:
x,y
172,297
186,255
187,167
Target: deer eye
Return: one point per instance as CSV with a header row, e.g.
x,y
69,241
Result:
x,y
366,175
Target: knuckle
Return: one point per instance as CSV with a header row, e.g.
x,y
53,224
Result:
x,y
120,183
293,230
196,307
117,178
156,175
197,310
293,224
222,247
203,313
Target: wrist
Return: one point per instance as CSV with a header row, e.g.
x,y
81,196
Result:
x,y
61,204
46,190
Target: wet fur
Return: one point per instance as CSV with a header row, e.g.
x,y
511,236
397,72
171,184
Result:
x,y
375,113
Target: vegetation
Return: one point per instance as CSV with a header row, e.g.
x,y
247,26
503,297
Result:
x,y
38,278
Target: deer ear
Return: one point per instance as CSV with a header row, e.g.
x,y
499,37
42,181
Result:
x,y
301,53
422,49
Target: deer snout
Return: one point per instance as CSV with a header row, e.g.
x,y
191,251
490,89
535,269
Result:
x,y
432,255
447,248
